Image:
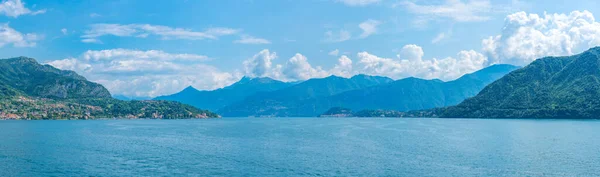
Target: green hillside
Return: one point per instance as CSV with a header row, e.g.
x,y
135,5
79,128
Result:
x,y
29,90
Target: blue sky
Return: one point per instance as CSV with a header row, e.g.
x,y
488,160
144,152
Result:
x,y
151,48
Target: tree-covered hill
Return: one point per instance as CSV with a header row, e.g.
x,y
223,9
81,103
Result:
x,y
26,75
29,90
551,87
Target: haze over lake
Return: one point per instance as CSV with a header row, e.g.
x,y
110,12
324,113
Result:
x,y
301,147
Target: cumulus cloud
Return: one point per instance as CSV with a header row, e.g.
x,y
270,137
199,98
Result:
x,y
16,8
144,30
473,10
247,39
340,36
526,37
296,68
410,63
368,27
358,2
343,68
9,35
72,64
146,73
411,52
261,65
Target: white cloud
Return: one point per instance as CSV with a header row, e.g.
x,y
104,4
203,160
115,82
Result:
x,y
358,2
247,39
38,12
438,38
146,73
91,40
368,27
144,30
261,65
64,31
335,52
411,52
113,54
411,63
16,8
526,37
340,36
298,68
9,35
343,68
72,64
94,15
221,31
473,10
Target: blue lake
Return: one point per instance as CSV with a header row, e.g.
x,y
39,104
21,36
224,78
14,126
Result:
x,y
300,147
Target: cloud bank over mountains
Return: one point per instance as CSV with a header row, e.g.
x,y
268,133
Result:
x,y
524,38
145,73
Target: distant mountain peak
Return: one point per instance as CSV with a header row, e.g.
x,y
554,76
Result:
x,y
264,79
496,69
365,75
371,77
22,59
361,76
218,98
247,79
189,88
333,76
412,79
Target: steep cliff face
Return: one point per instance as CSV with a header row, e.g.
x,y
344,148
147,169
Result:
x,y
32,78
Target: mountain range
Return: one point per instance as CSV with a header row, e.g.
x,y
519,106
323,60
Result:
x,y
265,97
300,99
416,94
217,99
315,96
29,90
550,87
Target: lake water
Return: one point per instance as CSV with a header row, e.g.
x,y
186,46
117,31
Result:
x,y
300,147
